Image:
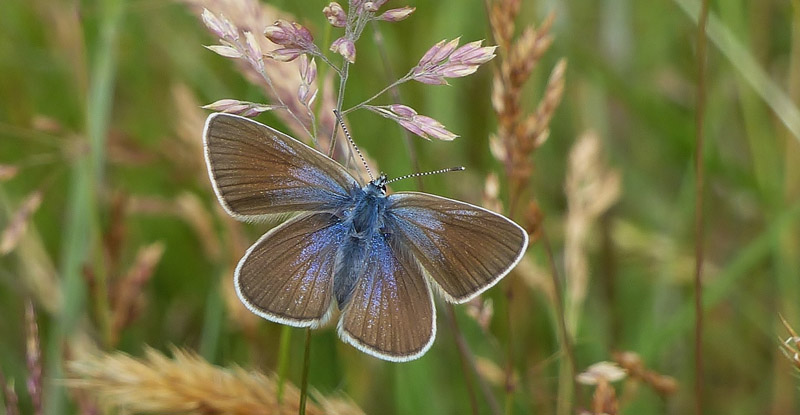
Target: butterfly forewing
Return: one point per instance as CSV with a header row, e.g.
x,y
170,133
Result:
x,y
287,276
390,314
464,248
258,171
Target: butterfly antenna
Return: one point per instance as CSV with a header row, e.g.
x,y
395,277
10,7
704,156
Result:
x,y
353,143
427,173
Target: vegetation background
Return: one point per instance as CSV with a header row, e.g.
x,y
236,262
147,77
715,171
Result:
x,y
112,231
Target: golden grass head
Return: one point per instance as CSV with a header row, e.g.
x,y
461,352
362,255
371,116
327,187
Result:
x,y
186,384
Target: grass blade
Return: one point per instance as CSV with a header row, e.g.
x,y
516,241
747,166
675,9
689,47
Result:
x,y
744,62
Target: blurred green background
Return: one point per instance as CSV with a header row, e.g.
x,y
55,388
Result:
x,y
99,111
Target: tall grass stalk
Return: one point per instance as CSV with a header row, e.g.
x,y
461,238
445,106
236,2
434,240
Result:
x,y
212,325
283,359
304,380
567,378
468,364
699,220
85,179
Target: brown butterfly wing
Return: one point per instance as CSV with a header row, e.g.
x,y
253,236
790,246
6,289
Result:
x,y
287,275
258,171
464,248
390,314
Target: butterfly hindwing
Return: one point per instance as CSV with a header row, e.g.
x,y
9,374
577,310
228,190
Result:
x,y
258,171
287,275
464,248
390,313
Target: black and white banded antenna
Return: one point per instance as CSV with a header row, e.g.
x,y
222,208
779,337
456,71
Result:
x,y
427,173
353,143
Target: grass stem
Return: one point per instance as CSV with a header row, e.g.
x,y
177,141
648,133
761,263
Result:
x,y
304,381
509,386
467,363
565,397
86,179
283,359
699,219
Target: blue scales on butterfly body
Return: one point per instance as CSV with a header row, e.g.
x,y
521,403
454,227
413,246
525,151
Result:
x,y
363,218
376,258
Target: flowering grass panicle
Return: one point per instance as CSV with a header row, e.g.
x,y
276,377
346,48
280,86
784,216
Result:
x,y
33,359
295,40
396,15
239,25
185,384
591,188
518,134
234,106
421,125
10,397
335,15
16,226
442,61
33,362
127,297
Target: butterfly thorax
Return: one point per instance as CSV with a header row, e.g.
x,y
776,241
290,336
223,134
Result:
x,y
367,213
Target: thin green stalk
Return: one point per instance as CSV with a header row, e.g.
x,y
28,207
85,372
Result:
x,y
567,387
212,325
466,362
389,87
324,58
509,369
98,114
350,30
85,179
699,220
339,101
321,84
283,359
102,307
306,365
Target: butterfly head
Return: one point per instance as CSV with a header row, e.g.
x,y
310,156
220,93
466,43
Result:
x,y
379,185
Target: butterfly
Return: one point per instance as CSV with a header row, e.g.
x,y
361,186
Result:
x,y
375,257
